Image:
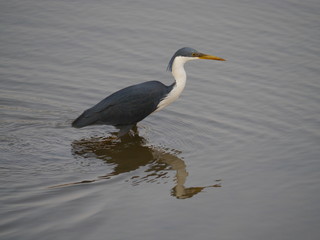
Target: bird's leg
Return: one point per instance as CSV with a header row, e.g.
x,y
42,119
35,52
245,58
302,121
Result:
x,y
124,130
135,130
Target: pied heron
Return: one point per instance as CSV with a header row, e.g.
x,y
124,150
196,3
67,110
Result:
x,y
124,108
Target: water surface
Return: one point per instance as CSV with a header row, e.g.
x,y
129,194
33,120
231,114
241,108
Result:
x,y
236,157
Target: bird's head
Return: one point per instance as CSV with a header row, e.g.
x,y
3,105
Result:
x,y
190,54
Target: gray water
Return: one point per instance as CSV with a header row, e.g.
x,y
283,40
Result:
x,y
236,157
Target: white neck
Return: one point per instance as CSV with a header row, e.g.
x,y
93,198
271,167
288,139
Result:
x,y
180,77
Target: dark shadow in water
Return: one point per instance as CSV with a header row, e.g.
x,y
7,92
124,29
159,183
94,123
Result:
x,y
131,153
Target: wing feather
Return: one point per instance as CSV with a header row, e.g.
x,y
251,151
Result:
x,y
127,106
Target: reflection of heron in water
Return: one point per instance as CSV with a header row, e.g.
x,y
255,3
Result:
x,y
131,153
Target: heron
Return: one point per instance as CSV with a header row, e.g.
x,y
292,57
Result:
x,y
128,106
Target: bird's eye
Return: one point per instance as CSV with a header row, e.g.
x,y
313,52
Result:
x,y
194,54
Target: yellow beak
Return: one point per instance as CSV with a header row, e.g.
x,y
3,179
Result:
x,y
210,57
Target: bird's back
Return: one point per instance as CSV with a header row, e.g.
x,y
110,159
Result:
x,y
126,106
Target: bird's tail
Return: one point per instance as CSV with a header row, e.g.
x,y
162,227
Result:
x,y
85,119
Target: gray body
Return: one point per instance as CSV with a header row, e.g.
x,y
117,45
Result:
x,y
124,108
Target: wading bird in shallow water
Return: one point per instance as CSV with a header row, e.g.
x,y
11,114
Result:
x,y
124,108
